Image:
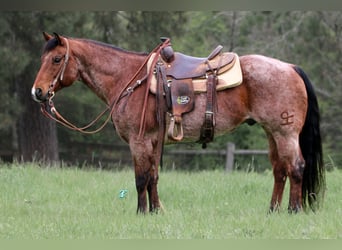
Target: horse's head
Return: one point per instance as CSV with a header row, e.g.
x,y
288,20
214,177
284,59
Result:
x,y
58,68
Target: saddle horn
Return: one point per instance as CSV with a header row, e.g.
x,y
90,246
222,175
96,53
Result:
x,y
167,53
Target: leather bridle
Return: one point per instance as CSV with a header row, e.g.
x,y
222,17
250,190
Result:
x,y
126,91
60,74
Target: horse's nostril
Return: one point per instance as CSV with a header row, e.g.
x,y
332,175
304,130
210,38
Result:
x,y
39,93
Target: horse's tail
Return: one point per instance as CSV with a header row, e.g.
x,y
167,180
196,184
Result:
x,y
313,186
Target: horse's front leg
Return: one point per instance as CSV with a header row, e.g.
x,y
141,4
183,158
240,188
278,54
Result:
x,y
141,180
146,174
152,189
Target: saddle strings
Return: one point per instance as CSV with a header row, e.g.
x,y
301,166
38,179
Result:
x,y
157,50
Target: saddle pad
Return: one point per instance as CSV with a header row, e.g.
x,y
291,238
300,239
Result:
x,y
229,79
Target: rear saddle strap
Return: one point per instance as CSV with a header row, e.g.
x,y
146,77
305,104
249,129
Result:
x,y
207,129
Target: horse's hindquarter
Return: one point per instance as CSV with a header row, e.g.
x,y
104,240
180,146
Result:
x,y
276,93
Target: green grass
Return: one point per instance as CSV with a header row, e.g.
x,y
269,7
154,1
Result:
x,y
54,203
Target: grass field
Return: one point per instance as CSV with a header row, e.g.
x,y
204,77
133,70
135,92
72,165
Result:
x,y
54,203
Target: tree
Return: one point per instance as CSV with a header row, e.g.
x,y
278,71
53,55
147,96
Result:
x,y
144,28
10,64
36,135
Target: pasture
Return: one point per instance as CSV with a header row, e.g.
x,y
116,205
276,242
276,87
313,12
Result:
x,y
70,203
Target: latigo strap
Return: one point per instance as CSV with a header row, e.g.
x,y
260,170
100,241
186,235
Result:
x,y
207,130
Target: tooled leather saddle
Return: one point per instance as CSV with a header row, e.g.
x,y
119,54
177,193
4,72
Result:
x,y
180,76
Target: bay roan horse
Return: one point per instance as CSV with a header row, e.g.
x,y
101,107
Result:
x,y
275,94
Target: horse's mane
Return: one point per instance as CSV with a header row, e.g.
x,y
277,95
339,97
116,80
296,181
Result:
x,y
107,45
52,43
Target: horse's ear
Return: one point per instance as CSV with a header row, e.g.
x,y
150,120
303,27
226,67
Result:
x,y
58,38
46,36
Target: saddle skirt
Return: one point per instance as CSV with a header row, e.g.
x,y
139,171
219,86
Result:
x,y
229,76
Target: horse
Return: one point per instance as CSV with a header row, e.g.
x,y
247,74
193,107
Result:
x,y
275,94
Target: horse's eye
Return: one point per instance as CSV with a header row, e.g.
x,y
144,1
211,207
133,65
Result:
x,y
57,59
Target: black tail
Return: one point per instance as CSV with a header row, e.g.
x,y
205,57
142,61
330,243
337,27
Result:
x,y
311,145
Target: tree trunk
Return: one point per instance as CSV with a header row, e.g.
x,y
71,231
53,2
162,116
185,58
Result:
x,y
37,135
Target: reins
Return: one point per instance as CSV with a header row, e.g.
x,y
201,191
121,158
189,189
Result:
x,y
126,91
61,120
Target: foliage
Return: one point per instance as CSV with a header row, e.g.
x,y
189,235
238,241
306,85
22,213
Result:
x,y
311,39
57,203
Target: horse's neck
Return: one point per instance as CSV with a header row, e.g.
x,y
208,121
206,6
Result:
x,y
106,70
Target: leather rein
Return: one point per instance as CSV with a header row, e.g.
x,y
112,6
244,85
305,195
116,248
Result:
x,y
126,91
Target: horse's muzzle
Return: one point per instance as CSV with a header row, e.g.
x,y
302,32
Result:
x,y
37,95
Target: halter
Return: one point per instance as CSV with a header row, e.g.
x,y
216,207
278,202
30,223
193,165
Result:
x,y
60,74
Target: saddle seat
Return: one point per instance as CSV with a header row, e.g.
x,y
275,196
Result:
x,y
182,66
188,67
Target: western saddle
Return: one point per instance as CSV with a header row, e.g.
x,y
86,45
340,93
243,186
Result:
x,y
176,77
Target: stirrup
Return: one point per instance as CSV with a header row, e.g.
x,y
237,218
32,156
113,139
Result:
x,y
175,131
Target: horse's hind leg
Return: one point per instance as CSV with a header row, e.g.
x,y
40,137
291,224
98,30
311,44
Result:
x,y
295,169
288,162
279,174
296,183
